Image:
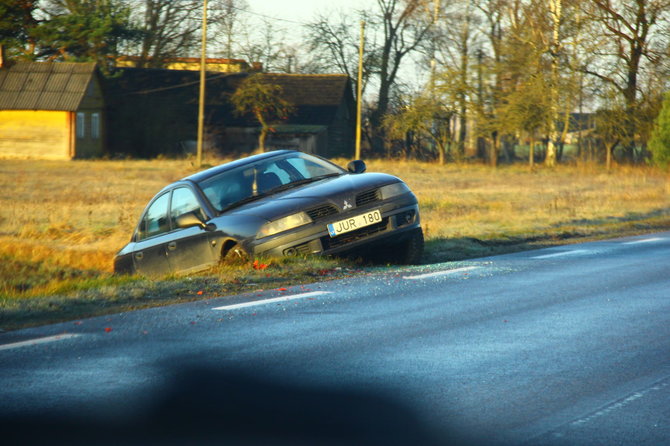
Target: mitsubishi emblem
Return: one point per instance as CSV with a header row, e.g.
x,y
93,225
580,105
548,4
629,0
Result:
x,y
346,205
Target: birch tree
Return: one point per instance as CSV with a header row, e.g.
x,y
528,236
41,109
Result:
x,y
555,13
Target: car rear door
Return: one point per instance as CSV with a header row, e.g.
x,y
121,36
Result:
x,y
151,239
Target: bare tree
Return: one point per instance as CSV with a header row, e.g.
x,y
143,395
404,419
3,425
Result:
x,y
263,44
404,25
334,46
169,29
395,28
450,48
227,17
629,27
494,13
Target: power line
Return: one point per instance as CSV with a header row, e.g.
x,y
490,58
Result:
x,y
248,11
184,84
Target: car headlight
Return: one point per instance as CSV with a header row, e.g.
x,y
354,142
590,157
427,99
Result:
x,y
283,224
393,190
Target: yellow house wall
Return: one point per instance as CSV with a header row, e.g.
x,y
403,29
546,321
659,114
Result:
x,y
233,67
35,134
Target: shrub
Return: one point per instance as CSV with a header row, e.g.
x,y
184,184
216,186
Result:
x,y
659,143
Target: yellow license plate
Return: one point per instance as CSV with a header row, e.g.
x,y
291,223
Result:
x,y
355,222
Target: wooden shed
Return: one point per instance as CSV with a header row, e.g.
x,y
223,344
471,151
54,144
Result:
x,y
51,111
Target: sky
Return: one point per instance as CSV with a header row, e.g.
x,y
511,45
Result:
x,y
303,11
293,13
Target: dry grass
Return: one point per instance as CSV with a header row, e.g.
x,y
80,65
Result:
x,y
62,222
475,206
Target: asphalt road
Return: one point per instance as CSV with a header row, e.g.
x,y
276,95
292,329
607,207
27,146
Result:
x,y
562,346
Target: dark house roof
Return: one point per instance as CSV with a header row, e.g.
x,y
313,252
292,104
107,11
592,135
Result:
x,y
310,89
315,96
44,85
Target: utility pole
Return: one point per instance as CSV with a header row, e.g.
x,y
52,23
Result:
x,y
359,91
433,59
433,75
201,98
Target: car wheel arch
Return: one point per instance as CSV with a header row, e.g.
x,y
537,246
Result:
x,y
232,250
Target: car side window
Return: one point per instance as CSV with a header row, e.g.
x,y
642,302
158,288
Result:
x,y
155,220
184,201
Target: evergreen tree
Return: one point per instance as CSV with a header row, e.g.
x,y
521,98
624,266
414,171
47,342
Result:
x,y
83,30
16,25
659,144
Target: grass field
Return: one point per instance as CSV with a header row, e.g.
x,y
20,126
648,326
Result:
x,y
62,222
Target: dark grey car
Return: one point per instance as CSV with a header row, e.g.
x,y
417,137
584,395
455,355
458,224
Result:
x,y
274,204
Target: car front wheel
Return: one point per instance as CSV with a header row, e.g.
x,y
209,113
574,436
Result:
x,y
410,250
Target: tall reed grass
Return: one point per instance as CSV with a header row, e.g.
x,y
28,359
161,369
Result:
x,y
61,222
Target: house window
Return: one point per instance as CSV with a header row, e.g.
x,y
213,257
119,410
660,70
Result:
x,y
81,125
95,125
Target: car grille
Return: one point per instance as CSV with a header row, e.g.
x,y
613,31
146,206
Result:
x,y
367,197
322,212
353,236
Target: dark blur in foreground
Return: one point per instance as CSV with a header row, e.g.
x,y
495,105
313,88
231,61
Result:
x,y
207,406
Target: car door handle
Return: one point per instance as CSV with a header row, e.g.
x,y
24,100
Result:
x,y
172,246
139,255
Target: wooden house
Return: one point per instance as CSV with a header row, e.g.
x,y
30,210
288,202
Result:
x,y
153,112
51,111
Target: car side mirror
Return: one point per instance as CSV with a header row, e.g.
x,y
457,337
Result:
x,y
356,166
190,219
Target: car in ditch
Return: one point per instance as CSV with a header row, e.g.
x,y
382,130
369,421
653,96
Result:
x,y
280,203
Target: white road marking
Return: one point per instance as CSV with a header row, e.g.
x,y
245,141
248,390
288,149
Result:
x,y
275,299
559,254
623,402
646,240
38,341
442,273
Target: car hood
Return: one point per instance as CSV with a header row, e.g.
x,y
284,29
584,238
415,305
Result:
x,y
334,191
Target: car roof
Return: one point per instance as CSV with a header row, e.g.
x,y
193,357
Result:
x,y
200,176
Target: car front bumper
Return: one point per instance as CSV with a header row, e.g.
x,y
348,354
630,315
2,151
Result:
x,y
398,220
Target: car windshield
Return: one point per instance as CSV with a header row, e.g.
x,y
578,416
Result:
x,y
237,186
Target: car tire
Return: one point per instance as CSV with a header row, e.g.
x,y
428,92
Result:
x,y
236,255
410,250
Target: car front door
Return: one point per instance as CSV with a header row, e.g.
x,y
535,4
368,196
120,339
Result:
x,y
189,249
152,238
